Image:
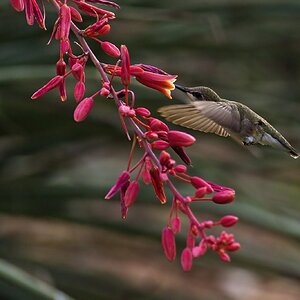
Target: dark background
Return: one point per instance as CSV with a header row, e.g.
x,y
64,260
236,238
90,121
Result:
x,y
54,173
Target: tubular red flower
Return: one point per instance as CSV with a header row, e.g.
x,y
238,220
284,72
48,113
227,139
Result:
x,y
75,14
83,109
121,182
53,83
168,243
125,67
105,2
93,11
93,30
64,21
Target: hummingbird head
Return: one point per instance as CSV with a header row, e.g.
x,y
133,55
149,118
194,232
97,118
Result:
x,y
199,93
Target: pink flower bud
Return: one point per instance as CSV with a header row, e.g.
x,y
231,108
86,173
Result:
x,y
157,125
75,14
53,83
125,67
200,192
18,5
131,193
181,153
143,112
110,49
181,139
124,110
83,109
180,169
64,21
208,224
198,182
104,92
224,256
199,250
228,221
104,30
150,135
160,145
186,259
79,91
233,247
78,71
168,243
176,225
121,181
224,197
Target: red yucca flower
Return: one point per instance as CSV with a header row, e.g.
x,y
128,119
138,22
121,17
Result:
x,y
32,11
149,76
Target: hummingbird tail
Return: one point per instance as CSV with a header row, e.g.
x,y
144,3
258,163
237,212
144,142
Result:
x,y
294,154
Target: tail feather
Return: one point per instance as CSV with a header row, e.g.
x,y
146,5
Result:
x,y
294,154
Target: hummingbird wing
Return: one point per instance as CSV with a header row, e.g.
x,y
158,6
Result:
x,y
206,116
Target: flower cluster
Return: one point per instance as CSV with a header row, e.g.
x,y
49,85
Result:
x,y
156,165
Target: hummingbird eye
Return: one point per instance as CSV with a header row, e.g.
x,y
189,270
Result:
x,y
198,95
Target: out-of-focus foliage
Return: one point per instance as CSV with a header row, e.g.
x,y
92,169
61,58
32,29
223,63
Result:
x,y
54,173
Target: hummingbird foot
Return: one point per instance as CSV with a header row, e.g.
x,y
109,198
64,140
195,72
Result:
x,y
248,140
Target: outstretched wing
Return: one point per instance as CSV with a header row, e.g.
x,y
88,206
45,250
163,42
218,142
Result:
x,y
206,116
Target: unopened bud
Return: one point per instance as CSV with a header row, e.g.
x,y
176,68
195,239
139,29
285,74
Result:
x,y
180,169
121,181
176,225
198,182
79,91
131,193
224,197
143,112
228,221
224,256
181,139
110,49
186,259
160,145
168,243
157,125
83,109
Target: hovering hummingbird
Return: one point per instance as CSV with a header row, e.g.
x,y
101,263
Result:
x,y
208,112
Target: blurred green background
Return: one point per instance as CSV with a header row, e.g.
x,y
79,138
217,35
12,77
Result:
x,y
54,223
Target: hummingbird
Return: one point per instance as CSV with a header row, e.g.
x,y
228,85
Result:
x,y
206,111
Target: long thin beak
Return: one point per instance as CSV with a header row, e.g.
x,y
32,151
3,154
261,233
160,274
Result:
x,y
181,88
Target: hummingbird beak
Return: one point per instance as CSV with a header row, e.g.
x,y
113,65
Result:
x,y
181,88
